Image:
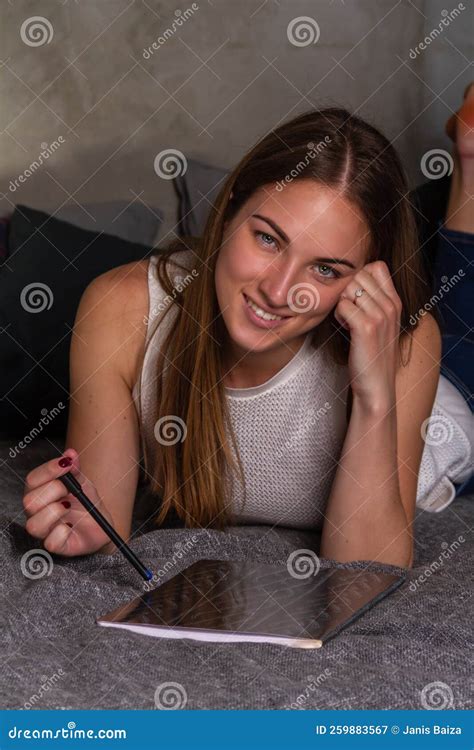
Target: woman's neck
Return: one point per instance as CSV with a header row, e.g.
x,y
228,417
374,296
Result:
x,y
247,369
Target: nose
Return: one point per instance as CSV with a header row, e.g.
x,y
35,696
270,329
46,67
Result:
x,y
276,283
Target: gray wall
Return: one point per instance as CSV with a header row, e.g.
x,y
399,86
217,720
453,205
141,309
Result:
x,y
227,75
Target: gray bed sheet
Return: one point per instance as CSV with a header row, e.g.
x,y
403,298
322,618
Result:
x,y
411,651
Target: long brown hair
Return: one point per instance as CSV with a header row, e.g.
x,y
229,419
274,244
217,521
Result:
x,y
352,157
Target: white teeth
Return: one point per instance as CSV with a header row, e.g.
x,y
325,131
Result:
x,y
261,313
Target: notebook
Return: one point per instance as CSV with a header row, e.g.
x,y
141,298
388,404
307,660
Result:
x,y
228,601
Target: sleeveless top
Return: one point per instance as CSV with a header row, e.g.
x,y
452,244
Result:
x,y
289,430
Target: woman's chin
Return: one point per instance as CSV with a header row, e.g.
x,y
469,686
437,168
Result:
x,y
249,338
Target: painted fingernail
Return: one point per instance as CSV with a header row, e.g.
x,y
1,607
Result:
x,y
63,462
66,503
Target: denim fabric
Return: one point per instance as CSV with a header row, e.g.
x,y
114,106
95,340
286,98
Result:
x,y
453,285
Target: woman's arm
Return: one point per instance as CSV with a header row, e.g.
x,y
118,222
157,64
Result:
x,y
103,425
370,509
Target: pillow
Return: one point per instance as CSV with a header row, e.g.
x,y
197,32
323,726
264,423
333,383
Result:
x,y
196,189
49,266
448,449
4,229
129,221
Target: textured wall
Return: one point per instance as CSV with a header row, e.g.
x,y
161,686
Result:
x,y
217,82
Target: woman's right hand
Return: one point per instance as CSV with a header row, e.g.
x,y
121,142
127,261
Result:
x,y
56,516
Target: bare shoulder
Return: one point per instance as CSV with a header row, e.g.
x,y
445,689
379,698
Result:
x,y
422,349
118,302
417,378
427,331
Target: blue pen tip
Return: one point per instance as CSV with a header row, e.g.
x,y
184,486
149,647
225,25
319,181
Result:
x,y
149,575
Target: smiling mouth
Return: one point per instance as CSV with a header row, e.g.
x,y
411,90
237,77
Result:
x,y
253,305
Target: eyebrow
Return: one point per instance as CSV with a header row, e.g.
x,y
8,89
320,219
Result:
x,y
285,238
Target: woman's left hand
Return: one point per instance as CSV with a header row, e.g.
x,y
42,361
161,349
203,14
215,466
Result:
x,y
373,321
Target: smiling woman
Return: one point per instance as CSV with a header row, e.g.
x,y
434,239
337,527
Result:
x,y
290,272
302,298
281,381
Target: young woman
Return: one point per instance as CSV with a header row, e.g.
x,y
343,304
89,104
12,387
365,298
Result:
x,y
314,418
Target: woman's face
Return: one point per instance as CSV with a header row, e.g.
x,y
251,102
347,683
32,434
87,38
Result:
x,y
299,275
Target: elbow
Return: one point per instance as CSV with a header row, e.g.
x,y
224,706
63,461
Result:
x,y
403,548
406,554
402,558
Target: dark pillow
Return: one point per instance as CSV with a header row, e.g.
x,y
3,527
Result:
x,y
50,264
196,189
4,228
134,222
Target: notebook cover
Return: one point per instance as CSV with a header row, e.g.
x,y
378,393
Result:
x,y
230,601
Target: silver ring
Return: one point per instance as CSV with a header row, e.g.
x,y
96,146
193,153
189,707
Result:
x,y
359,292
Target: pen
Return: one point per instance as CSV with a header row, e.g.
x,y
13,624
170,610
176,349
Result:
x,y
70,481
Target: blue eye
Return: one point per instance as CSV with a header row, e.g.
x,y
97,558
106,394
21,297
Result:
x,y
260,235
334,273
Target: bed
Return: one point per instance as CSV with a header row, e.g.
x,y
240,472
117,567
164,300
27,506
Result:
x,y
409,652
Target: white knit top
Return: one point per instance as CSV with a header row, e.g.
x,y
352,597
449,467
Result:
x,y
289,430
